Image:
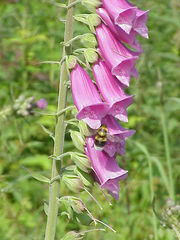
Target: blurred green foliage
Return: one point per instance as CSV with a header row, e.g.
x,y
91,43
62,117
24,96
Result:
x,y
30,32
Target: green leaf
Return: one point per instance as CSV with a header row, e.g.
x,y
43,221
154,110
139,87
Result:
x,y
161,171
36,161
39,177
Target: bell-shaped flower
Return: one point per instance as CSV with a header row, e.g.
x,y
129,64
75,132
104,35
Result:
x,y
86,98
140,23
127,16
122,13
116,136
111,92
118,58
106,169
118,32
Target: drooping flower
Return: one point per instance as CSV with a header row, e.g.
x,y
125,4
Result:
x,y
41,103
122,13
111,91
116,136
118,32
127,16
118,58
86,98
140,23
105,168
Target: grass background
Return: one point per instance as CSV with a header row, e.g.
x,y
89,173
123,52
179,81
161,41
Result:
x,y
30,32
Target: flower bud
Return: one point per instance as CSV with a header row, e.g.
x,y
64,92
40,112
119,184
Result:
x,y
77,205
91,55
94,19
73,183
85,129
82,162
89,40
86,178
91,5
83,219
71,62
78,140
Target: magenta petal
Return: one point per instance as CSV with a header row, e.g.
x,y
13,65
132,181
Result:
x,y
140,23
118,108
125,19
121,12
124,70
116,133
86,98
106,169
93,114
118,32
107,84
118,58
83,90
111,91
111,148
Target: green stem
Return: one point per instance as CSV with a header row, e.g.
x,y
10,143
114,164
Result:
x,y
152,196
54,189
168,156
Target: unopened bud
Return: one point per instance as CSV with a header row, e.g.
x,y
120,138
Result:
x,y
77,205
85,129
73,183
91,5
86,178
71,62
82,162
91,55
83,219
94,19
89,40
78,140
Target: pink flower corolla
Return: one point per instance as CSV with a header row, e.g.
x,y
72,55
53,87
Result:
x,y
118,32
111,92
127,16
41,103
87,99
106,169
122,13
118,58
116,136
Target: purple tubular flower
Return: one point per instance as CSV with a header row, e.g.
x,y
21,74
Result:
x,y
121,12
111,91
120,59
116,136
87,99
118,32
41,103
127,16
140,23
105,168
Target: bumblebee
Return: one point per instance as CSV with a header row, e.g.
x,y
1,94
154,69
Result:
x,y
101,138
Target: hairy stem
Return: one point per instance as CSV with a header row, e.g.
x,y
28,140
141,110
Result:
x,y
54,189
